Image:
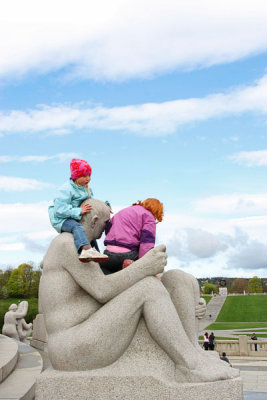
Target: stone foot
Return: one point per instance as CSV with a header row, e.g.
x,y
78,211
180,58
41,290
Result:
x,y
210,354
205,371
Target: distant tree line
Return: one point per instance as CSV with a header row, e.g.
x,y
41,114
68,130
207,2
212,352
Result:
x,y
234,285
21,282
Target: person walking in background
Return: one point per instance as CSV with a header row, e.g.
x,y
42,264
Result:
x,y
254,337
211,341
206,341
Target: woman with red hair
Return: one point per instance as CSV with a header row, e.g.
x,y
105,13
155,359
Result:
x,y
131,233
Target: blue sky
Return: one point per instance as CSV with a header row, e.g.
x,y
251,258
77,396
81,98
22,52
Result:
x,y
164,99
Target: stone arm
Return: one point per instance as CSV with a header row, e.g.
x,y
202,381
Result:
x,y
105,287
24,324
22,310
19,314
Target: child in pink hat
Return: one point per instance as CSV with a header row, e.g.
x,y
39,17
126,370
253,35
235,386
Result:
x,y
67,210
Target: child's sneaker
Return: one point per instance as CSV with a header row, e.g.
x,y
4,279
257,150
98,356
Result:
x,y
92,255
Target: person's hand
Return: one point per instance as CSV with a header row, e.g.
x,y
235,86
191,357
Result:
x,y
86,208
201,308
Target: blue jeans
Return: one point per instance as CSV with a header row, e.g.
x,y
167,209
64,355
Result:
x,y
72,226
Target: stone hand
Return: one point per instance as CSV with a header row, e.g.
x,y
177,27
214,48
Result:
x,y
154,261
201,308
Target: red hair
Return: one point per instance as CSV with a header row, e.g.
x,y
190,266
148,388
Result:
x,y
154,206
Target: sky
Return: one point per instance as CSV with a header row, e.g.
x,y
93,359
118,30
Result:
x,y
164,99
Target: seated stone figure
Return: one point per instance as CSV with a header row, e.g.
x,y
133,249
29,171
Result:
x,y
92,318
15,325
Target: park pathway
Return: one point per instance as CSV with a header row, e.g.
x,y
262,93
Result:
x,y
213,309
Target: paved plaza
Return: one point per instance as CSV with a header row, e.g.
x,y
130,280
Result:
x,y
253,372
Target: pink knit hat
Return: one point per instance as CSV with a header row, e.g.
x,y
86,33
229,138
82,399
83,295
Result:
x,y
79,168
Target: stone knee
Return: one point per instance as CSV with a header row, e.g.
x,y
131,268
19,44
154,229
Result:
x,y
177,279
174,278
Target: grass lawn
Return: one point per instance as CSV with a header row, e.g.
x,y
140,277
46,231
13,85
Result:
x,y
207,298
258,335
258,330
238,325
244,309
32,311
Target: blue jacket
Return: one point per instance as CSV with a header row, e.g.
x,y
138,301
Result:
x,y
67,204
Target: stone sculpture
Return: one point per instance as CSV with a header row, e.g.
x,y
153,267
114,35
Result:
x,y
92,318
15,325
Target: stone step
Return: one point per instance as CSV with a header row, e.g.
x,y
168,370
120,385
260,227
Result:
x,y
8,356
20,384
213,309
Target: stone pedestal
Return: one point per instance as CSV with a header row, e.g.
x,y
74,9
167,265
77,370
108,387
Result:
x,y
39,335
143,372
223,291
243,345
96,385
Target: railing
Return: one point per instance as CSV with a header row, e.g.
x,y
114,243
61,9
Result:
x,y
237,294
241,347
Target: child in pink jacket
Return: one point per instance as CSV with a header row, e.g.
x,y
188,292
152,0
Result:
x,y
131,233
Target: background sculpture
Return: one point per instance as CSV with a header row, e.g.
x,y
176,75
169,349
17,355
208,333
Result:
x,y
15,325
91,318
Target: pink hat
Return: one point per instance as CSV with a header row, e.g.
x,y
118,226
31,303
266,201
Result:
x,y
79,168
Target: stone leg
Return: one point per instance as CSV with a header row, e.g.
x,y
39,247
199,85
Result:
x,y
24,330
185,294
110,330
104,337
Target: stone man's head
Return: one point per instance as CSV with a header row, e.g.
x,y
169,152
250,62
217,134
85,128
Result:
x,y
95,222
13,307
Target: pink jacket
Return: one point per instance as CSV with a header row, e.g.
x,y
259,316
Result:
x,y
133,227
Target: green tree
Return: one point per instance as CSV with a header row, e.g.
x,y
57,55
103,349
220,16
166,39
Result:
x,y
4,277
239,285
15,284
209,288
36,275
24,281
254,285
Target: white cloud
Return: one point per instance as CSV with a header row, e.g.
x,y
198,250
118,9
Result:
x,y
119,40
151,119
219,249
189,244
24,218
252,256
61,157
14,184
25,232
34,245
11,247
250,158
235,204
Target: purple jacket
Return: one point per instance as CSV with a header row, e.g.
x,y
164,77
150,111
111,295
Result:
x,y
133,227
